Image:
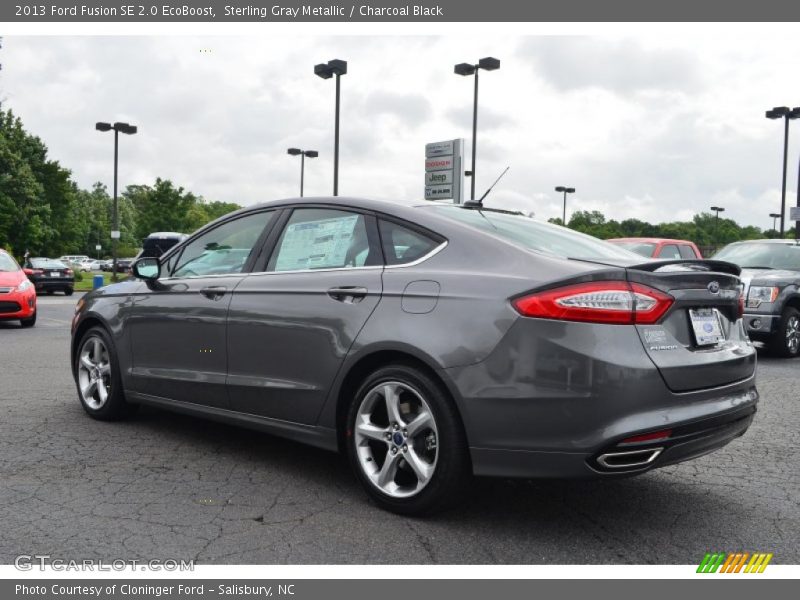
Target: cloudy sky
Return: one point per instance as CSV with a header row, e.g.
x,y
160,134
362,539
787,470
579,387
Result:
x,y
649,127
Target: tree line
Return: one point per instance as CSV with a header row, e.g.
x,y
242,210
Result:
x,y
704,229
44,212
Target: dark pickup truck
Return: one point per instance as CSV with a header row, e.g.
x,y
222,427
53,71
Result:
x,y
771,275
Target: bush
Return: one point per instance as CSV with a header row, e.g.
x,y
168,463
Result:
x,y
78,275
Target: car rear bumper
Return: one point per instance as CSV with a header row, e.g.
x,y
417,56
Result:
x,y
700,438
548,403
54,284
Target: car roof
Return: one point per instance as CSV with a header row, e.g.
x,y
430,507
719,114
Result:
x,y
651,240
769,241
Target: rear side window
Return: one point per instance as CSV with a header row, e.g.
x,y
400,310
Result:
x,y
669,251
402,245
687,251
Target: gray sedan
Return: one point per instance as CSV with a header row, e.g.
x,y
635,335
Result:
x,y
428,342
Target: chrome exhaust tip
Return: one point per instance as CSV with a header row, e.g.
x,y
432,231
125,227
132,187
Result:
x,y
629,459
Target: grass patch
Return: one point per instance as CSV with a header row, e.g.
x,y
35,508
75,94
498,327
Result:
x,y
85,285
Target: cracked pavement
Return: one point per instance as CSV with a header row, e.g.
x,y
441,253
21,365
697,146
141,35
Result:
x,y
170,486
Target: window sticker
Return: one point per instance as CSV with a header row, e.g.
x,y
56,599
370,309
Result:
x,y
316,244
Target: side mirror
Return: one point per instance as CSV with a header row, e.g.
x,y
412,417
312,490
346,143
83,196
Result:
x,y
27,271
148,268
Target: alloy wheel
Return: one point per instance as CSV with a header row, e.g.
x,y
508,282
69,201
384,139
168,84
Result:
x,y
94,373
793,334
396,439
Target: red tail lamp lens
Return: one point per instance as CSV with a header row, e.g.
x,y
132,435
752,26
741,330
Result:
x,y
611,302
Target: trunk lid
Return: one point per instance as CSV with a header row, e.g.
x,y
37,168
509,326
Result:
x,y
700,341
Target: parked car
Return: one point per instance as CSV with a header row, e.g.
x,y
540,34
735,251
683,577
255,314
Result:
x,y
663,248
105,265
17,293
427,342
158,243
124,265
771,275
50,275
73,259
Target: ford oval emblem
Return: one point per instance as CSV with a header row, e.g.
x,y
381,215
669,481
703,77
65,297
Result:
x,y
713,287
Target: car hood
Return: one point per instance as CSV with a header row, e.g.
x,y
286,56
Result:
x,y
11,278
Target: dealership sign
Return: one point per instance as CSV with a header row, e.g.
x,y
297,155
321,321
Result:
x,y
443,179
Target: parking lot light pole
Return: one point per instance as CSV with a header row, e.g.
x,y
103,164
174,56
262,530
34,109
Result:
x,y
326,71
566,190
786,114
795,114
466,69
717,210
302,154
774,216
128,130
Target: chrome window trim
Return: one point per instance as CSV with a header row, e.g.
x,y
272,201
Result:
x,y
421,259
413,263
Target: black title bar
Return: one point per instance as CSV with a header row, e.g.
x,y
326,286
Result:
x,y
140,11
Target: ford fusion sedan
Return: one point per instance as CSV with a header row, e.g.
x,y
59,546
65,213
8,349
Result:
x,y
17,293
771,273
428,342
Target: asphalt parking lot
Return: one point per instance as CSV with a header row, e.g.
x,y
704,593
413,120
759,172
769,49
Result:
x,y
170,486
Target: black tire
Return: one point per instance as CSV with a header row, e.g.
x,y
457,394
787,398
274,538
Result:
x,y
29,322
68,291
453,469
115,407
784,342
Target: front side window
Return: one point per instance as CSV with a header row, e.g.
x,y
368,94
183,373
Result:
x,y
224,250
322,238
687,251
402,245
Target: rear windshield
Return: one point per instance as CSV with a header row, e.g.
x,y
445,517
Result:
x,y
7,263
765,256
47,263
535,235
642,248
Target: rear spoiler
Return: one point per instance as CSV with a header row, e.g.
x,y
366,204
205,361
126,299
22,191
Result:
x,y
653,266
700,264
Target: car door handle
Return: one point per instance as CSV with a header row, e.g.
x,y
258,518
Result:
x,y
348,294
214,292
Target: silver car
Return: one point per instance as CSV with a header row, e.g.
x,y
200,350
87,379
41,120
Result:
x,y
428,342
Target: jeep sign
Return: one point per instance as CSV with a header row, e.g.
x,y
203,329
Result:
x,y
443,170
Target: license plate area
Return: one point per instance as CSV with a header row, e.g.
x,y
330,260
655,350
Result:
x,y
706,326
55,274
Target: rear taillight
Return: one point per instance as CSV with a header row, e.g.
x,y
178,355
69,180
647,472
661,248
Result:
x,y
68,271
613,302
37,272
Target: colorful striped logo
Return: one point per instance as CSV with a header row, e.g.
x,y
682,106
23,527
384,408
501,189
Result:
x,y
734,562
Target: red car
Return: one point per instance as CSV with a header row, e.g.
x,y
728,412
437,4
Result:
x,y
17,293
663,248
